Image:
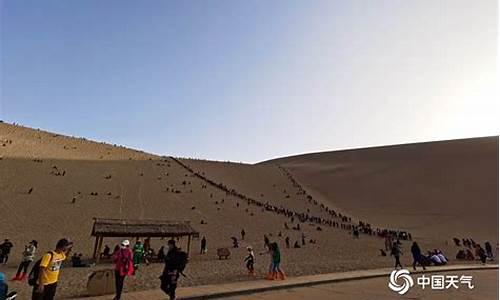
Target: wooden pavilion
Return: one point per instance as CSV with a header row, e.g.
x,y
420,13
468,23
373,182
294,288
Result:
x,y
126,228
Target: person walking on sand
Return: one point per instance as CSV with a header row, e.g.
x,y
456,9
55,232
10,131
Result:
x,y
275,256
5,251
124,266
243,233
138,254
417,256
175,262
45,285
250,260
28,257
203,246
277,272
396,252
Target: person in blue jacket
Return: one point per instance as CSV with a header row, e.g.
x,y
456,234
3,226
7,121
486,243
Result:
x,y
4,288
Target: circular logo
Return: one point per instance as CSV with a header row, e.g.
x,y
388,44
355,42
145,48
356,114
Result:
x,y
406,283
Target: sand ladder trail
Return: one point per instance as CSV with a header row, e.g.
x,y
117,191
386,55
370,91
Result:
x,y
244,197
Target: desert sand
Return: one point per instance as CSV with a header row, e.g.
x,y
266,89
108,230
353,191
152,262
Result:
x,y
51,186
435,189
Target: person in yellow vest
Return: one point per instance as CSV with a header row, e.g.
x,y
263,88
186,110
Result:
x,y
48,273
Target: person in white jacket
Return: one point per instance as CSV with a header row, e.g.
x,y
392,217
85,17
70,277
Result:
x,y
28,257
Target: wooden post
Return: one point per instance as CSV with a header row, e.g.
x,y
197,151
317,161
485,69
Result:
x,y
189,244
95,247
99,246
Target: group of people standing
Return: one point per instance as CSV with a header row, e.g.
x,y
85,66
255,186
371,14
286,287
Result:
x,y
418,257
28,256
436,257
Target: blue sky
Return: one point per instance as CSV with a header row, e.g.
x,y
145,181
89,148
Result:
x,y
251,80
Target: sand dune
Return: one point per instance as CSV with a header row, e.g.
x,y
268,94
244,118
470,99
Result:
x,y
27,143
51,186
433,189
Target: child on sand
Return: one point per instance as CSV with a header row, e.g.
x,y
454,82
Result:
x,y
250,260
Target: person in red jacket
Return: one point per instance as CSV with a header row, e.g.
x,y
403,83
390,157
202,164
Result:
x,y
124,262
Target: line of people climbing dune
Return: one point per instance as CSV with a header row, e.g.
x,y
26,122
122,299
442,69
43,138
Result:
x,y
344,223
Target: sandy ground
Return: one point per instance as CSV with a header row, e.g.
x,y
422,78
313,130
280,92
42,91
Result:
x,y
63,173
486,288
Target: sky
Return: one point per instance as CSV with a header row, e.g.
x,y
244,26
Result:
x,y
251,80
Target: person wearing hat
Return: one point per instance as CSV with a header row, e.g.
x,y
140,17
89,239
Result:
x,y
50,265
28,257
124,266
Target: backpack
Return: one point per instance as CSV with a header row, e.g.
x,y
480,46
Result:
x,y
182,261
35,270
